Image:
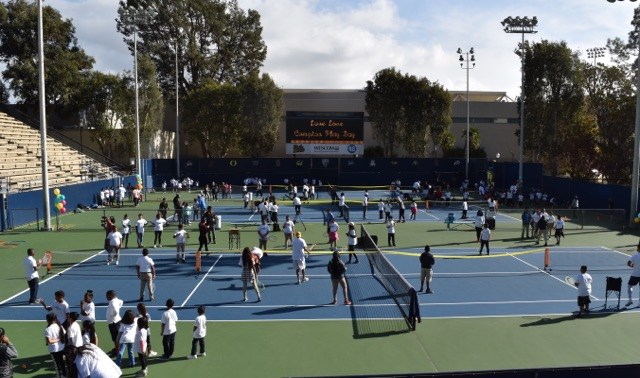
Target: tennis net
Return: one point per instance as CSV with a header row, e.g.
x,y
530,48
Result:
x,y
402,293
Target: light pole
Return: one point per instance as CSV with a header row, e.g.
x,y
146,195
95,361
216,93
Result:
x,y
523,26
177,118
133,17
595,53
470,64
43,122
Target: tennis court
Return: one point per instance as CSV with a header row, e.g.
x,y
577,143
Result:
x,y
492,301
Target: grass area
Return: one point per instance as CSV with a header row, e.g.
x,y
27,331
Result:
x,y
312,348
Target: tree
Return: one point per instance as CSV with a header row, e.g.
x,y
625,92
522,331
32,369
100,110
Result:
x,y
554,97
215,41
262,106
4,94
404,105
212,116
65,61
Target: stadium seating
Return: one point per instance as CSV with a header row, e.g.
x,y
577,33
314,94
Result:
x,y
21,162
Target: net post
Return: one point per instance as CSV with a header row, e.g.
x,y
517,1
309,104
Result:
x,y
198,261
547,258
49,256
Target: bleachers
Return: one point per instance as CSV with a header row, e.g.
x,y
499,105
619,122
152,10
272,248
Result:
x,y
20,164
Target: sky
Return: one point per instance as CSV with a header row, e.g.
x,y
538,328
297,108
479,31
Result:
x,y
340,44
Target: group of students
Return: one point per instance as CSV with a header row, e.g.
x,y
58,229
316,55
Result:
x,y
74,347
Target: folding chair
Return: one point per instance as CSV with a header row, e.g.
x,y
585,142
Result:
x,y
614,285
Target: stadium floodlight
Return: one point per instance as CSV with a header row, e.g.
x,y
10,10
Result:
x,y
522,26
468,58
595,53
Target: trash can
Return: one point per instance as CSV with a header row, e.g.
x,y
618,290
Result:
x,y
218,222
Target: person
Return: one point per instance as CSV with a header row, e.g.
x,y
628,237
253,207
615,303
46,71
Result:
x,y
54,338
426,269
126,230
140,223
87,307
168,330
337,269
92,362
163,208
113,316
181,237
287,229
33,277
7,352
298,250
478,223
115,242
143,313
526,222
414,210
559,226
140,344
263,235
89,335
352,241
485,237
210,219
60,308
158,227
273,209
365,203
465,209
391,231
634,279
583,283
342,203
203,230
297,205
146,271
380,209
542,228
199,333
332,231
575,205
401,209
74,341
387,211
126,337
249,265
177,208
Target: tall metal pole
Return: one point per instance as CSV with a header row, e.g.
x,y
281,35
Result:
x,y
633,207
177,119
135,74
43,123
521,162
521,25
468,67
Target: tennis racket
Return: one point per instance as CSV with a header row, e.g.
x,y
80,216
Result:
x,y
570,280
309,249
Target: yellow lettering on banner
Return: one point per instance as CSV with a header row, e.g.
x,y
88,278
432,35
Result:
x,y
336,123
331,134
314,123
348,135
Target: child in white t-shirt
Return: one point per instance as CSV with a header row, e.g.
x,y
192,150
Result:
x,y
199,333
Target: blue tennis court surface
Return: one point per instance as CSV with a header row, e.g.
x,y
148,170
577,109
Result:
x,y
509,282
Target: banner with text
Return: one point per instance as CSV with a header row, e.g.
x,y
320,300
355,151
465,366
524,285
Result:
x,y
325,133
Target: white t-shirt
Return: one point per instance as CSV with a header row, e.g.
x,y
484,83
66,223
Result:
x,y
635,259
30,266
90,309
391,227
479,221
140,342
169,319
74,335
53,332
126,226
61,309
584,284
296,201
115,238
96,364
113,310
140,223
127,332
353,237
287,228
485,234
333,227
145,263
297,249
200,325
263,230
181,236
158,224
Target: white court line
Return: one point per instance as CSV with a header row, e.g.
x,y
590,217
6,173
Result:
x,y
429,214
200,283
52,276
